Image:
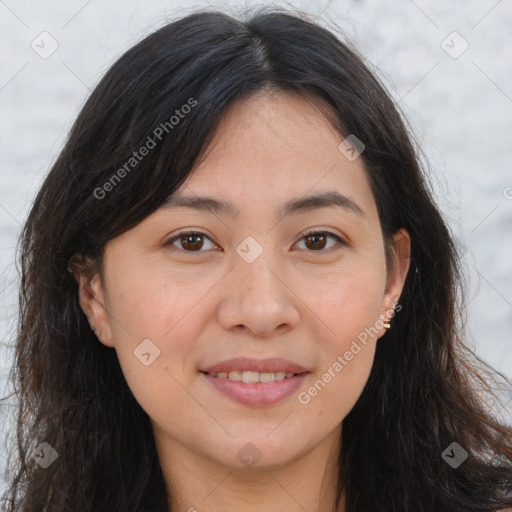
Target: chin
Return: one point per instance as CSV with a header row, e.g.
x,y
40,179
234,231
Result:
x,y
258,453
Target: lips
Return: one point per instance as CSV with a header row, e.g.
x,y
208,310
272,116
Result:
x,y
254,382
241,364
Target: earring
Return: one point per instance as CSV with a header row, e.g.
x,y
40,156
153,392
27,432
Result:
x,y
387,325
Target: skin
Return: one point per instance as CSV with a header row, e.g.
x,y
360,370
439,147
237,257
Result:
x,y
299,300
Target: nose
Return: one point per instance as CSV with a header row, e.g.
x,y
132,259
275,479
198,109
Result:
x,y
259,298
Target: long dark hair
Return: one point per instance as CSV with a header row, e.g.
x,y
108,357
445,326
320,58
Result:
x,y
425,388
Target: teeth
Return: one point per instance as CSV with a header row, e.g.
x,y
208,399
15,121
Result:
x,y
250,377
253,377
266,377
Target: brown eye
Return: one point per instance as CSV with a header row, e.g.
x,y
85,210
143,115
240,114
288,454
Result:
x,y
317,240
191,241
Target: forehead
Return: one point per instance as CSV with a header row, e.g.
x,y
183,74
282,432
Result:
x,y
273,147
280,120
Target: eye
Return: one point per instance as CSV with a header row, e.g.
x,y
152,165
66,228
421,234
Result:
x,y
318,239
191,240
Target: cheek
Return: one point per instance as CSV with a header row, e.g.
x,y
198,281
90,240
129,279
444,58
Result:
x,y
347,310
342,372
148,302
347,304
153,323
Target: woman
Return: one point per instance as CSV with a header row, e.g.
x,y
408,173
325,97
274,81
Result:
x,y
311,358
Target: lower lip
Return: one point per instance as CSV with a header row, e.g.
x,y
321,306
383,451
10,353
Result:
x,y
259,393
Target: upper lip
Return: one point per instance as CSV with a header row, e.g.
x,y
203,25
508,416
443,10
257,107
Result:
x,y
256,365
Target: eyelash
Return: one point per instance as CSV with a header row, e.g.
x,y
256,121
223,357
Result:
x,y
304,235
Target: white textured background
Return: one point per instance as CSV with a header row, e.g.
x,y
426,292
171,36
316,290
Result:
x,y
461,110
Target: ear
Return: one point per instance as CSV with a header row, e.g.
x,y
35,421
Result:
x,y
400,262
91,297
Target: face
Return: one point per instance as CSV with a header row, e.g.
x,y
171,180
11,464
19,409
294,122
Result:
x,y
254,285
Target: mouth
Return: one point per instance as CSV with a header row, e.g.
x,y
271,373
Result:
x,y
251,377
255,383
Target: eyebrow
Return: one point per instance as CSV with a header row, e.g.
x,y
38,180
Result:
x,y
295,206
